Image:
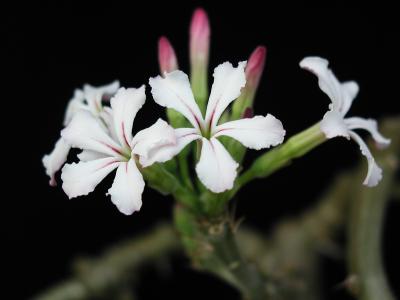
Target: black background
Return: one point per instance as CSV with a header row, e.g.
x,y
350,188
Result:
x,y
53,48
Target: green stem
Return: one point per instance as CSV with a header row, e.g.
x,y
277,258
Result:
x,y
212,247
366,226
160,179
266,164
280,157
184,171
290,257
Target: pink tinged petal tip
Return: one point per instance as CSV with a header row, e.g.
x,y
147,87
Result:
x,y
255,66
166,56
55,160
199,34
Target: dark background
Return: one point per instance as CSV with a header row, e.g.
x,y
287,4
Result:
x,y
53,48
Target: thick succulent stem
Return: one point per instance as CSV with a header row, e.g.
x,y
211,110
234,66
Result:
x,y
366,225
212,247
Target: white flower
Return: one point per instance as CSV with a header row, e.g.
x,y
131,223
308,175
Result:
x,y
216,168
111,146
88,99
334,124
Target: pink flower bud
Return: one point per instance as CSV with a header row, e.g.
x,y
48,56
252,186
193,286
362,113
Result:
x,y
254,70
166,56
199,36
255,66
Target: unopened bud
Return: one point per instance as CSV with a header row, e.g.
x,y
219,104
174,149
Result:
x,y
254,70
166,56
255,67
199,50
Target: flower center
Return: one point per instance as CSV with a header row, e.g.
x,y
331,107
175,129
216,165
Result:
x,y
126,152
206,132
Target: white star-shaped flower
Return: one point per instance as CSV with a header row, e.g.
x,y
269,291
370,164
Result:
x,y
216,168
107,144
88,99
334,122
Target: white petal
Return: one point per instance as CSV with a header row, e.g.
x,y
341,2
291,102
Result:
x,y
216,168
174,91
228,81
105,90
125,105
165,152
184,136
87,133
150,142
88,155
89,98
374,174
333,125
255,133
371,126
82,178
341,94
160,142
54,161
106,116
126,191
95,95
75,105
93,101
349,93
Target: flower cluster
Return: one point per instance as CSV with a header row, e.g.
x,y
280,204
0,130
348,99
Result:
x,y
99,121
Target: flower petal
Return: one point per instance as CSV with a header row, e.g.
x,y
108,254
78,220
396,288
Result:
x,y
374,174
165,152
341,94
216,168
126,191
75,105
107,117
88,155
255,133
174,91
54,161
149,143
184,136
89,98
82,178
95,95
106,91
228,81
371,126
160,142
333,125
87,133
125,105
350,91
